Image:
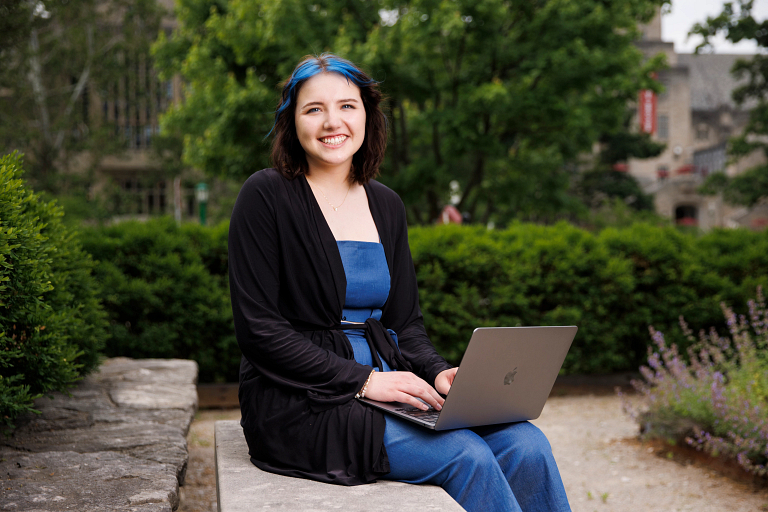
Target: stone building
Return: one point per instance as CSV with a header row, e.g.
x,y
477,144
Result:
x,y
140,185
695,117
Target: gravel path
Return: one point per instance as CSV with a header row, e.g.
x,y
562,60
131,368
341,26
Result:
x,y
604,467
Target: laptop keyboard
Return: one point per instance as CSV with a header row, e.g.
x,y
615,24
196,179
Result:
x,y
428,416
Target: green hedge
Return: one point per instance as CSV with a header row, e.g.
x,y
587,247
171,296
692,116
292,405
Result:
x,y
166,293
613,285
52,327
165,287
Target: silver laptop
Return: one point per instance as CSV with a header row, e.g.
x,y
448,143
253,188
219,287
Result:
x,y
506,375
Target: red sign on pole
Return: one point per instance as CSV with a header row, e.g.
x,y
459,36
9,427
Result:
x,y
647,111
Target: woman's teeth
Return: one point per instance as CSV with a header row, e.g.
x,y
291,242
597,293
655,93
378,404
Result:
x,y
334,141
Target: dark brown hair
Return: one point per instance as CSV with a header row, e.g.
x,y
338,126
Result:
x,y
288,156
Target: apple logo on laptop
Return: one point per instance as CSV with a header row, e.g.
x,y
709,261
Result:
x,y
510,377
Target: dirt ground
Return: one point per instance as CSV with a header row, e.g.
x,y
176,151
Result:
x,y
603,465
198,494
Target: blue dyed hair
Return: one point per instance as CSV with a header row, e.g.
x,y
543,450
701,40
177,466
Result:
x,y
288,155
311,66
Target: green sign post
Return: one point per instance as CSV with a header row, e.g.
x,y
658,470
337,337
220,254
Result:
x,y
201,192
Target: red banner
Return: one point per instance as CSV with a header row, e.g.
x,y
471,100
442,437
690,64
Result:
x,y
647,112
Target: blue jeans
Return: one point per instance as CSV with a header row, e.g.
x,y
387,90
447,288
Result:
x,y
494,468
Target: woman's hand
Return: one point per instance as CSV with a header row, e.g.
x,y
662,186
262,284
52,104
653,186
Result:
x,y
444,380
403,387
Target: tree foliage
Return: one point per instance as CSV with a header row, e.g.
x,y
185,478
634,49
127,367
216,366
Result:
x,y
602,185
736,22
497,95
623,143
56,56
15,17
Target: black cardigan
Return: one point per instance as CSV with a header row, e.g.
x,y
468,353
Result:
x,y
298,375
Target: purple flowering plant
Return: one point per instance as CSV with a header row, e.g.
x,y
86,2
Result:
x,y
715,399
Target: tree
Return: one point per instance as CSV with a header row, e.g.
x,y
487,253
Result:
x,y
604,182
57,55
498,95
15,18
737,23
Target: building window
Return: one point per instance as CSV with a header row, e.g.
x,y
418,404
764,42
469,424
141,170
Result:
x,y
713,159
663,127
135,100
702,132
142,196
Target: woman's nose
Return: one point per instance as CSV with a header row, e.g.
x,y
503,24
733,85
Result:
x,y
332,120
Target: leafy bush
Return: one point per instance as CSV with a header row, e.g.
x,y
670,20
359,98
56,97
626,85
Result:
x,y
612,284
52,327
738,255
166,293
525,275
716,401
166,287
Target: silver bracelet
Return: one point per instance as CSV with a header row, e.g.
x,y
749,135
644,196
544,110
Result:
x,y
361,393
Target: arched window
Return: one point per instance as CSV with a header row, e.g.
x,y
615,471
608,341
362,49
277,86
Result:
x,y
686,215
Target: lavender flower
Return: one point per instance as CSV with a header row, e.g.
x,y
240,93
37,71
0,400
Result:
x,y
722,389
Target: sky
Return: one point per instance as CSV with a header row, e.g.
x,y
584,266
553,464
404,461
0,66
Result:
x,y
685,13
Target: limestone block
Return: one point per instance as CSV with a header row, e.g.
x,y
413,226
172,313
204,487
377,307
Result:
x,y
166,371
86,482
159,443
178,418
154,396
115,442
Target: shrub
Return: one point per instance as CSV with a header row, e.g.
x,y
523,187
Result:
x,y
525,275
166,287
717,400
669,279
166,293
612,284
52,326
738,255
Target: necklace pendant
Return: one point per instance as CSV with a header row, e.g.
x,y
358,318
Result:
x,y
335,209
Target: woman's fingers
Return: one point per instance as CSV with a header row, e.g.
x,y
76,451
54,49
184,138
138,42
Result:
x,y
444,380
429,395
413,401
403,387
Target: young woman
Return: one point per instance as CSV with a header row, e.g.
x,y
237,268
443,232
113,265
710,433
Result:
x,y
326,308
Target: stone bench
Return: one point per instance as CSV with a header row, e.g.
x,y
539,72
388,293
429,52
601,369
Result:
x,y
242,487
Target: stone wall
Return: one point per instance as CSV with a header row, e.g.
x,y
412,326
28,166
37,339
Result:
x,y
117,443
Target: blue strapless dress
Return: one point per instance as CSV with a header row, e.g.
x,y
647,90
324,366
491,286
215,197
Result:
x,y
368,282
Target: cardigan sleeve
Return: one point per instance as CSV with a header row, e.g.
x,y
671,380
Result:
x,y
404,312
267,340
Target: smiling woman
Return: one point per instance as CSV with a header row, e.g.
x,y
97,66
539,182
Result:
x,y
326,310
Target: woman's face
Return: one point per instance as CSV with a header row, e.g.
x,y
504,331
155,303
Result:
x,y
330,121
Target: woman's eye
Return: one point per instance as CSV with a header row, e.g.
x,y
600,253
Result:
x,y
313,109
347,106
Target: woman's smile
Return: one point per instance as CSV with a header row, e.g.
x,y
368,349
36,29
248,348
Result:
x,y
334,141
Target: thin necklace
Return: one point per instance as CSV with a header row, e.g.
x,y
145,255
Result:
x,y
335,208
